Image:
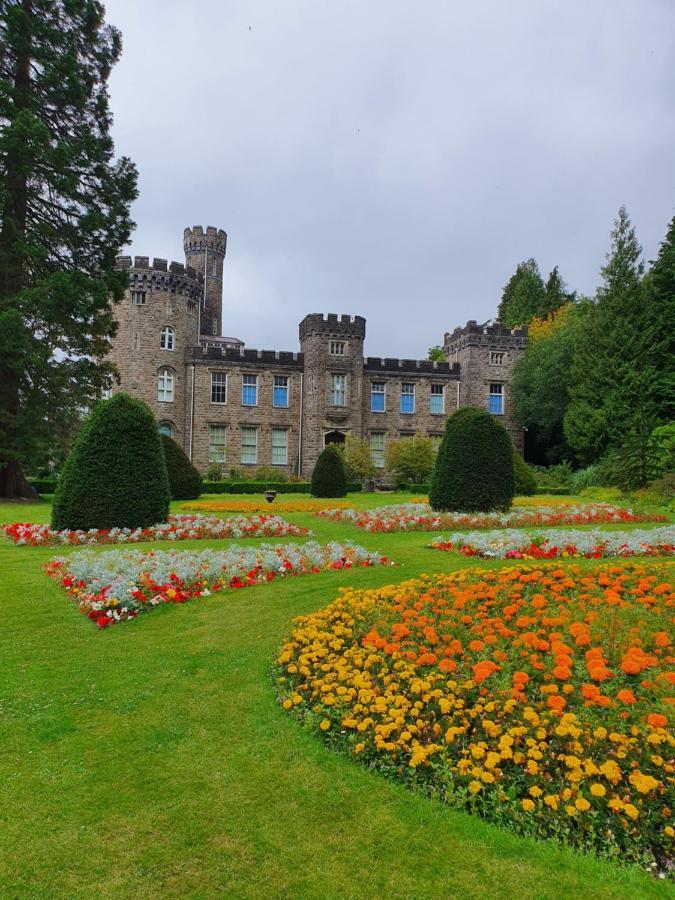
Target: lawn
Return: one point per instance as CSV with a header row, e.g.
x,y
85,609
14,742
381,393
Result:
x,y
152,759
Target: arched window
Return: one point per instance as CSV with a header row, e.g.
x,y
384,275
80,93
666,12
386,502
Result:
x,y
166,337
165,386
166,428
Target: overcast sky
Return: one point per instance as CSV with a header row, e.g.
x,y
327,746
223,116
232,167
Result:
x,y
394,159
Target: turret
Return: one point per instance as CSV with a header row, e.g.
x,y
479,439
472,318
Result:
x,y
205,252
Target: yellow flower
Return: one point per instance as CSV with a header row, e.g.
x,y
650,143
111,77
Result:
x,y
598,790
582,804
528,805
551,800
475,786
325,725
287,704
631,811
669,831
535,791
643,783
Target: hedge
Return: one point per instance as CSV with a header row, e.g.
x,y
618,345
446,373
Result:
x,y
185,481
43,485
259,487
329,478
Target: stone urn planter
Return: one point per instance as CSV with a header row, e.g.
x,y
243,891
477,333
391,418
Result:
x,y
270,495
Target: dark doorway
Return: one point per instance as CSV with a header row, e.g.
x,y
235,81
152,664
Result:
x,y
333,437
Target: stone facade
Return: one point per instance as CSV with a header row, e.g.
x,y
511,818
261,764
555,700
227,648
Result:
x,y
237,407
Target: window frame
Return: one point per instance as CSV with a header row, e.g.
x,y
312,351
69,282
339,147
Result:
x,y
382,393
162,375
441,394
138,297
212,444
496,394
222,384
377,459
244,385
337,392
254,430
170,334
335,343
497,353
407,384
276,387
164,424
284,431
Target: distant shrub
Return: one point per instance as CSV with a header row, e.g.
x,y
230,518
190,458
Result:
x,y
185,481
474,465
214,472
664,487
553,479
115,475
329,478
525,484
602,494
410,459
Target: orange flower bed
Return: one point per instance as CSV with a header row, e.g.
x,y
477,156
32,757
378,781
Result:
x,y
535,696
250,506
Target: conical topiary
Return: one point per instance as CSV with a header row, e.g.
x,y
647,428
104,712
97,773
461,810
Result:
x,y
474,466
115,475
185,482
329,478
524,482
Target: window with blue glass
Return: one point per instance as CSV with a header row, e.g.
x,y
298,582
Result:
x,y
280,396
437,400
377,396
407,398
496,399
249,390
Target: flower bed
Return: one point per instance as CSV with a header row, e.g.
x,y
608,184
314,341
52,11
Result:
x,y
176,528
117,585
537,697
514,544
420,517
247,506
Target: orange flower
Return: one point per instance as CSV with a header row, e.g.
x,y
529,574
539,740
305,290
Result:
x,y
656,720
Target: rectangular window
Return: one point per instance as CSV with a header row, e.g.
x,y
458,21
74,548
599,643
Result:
x,y
249,446
437,399
496,399
337,348
249,390
407,398
280,397
192,306
377,448
377,396
138,298
217,443
218,387
279,446
496,358
337,390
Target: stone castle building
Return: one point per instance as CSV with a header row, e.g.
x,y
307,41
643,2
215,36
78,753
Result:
x,y
236,407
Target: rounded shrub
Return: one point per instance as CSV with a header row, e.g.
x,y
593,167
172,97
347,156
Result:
x,y
185,482
474,466
525,484
115,475
329,478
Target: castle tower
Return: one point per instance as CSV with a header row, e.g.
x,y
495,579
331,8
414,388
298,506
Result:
x,y
332,349
205,253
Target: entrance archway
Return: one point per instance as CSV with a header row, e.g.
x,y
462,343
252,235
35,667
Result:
x,y
333,437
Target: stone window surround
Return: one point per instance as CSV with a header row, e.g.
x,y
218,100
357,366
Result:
x,y
283,446
219,384
166,384
252,444
167,338
213,444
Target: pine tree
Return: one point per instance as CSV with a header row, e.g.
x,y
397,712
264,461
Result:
x,y
524,296
64,214
556,293
659,324
614,378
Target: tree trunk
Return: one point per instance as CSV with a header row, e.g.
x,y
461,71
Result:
x,y
13,485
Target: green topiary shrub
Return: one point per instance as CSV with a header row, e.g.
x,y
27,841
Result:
x,y
185,482
115,475
329,478
525,483
474,466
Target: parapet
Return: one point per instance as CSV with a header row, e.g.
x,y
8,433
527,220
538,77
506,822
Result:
x,y
197,238
174,277
374,365
487,334
332,324
260,359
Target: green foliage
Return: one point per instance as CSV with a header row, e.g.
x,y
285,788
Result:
x,y
64,214
259,487
664,487
524,296
329,478
436,354
474,465
662,441
590,477
411,460
115,476
357,458
185,482
553,479
214,472
542,379
556,293
524,482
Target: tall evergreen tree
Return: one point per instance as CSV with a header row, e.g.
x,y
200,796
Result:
x,y
556,293
524,296
660,323
614,377
64,214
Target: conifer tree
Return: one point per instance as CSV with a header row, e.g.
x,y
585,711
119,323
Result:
x,y
556,293
660,324
614,389
64,214
524,296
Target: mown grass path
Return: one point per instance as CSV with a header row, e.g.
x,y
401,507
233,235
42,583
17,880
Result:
x,y
152,760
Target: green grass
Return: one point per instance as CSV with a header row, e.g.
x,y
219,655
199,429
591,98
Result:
x,y
152,760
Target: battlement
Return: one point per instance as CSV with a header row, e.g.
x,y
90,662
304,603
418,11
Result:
x,y
374,365
494,334
173,277
241,355
197,239
332,324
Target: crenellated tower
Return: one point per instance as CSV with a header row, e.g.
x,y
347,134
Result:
x,y
205,252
